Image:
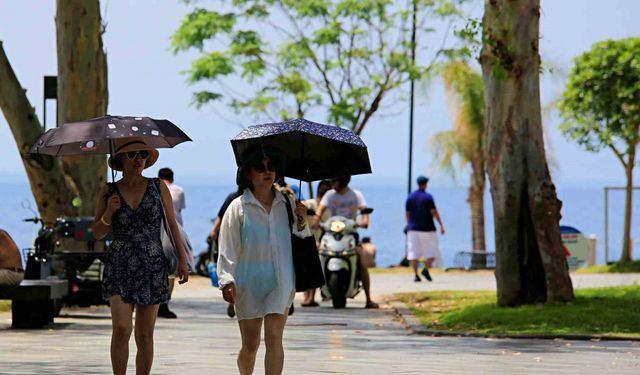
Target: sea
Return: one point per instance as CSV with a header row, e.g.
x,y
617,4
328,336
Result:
x,y
583,208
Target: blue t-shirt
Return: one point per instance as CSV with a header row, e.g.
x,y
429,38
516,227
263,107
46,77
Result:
x,y
419,205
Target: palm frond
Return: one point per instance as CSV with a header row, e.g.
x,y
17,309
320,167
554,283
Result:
x,y
446,150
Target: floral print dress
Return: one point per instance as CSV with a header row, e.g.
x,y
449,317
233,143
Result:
x,y
136,267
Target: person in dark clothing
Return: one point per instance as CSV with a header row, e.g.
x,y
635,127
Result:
x,y
422,240
215,232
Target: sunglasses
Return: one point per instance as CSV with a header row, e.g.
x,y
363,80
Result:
x,y
144,154
263,167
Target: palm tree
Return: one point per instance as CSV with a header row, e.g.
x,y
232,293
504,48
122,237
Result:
x,y
465,93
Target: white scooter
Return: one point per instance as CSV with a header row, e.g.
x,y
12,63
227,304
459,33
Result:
x,y
339,259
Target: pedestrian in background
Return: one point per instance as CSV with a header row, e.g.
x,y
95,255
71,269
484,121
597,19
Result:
x,y
312,205
369,251
422,240
179,203
11,272
215,233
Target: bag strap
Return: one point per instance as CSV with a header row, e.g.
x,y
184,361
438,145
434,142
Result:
x,y
289,210
165,221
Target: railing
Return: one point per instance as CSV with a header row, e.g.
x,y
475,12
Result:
x,y
474,260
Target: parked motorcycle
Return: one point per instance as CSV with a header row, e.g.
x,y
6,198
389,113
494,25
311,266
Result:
x,y
68,250
208,255
339,259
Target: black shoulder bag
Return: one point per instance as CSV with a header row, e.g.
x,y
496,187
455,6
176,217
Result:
x,y
306,261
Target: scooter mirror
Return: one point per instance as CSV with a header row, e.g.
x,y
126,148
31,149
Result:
x,y
26,204
366,211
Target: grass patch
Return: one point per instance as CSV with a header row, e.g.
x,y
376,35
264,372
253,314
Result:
x,y
627,267
599,311
5,305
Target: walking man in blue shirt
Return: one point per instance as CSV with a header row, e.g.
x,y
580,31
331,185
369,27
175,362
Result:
x,y
422,240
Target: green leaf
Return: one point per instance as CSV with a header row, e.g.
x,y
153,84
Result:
x,y
201,98
199,26
600,105
210,66
329,34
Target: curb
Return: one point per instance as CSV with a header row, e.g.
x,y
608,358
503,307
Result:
x,y
413,325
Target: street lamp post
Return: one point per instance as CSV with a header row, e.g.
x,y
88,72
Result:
x,y
411,93
50,92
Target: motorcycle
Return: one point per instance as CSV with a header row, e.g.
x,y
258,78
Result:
x,y
68,250
206,256
339,259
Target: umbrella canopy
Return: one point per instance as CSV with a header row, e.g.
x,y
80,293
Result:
x,y
313,151
93,136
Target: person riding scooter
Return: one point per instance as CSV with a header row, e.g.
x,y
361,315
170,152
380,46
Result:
x,y
347,202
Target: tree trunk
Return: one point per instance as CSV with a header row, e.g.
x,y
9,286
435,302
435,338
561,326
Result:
x,y
627,245
52,195
530,263
476,202
82,88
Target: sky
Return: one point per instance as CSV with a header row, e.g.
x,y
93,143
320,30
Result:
x,y
145,79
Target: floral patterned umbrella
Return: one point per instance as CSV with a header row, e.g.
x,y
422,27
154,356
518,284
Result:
x,y
313,151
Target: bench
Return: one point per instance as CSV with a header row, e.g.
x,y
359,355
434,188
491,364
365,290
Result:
x,y
474,260
33,302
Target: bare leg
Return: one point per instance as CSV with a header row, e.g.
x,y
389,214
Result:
x,y
309,297
414,265
172,284
306,298
428,263
273,332
366,284
122,325
145,323
250,333
312,295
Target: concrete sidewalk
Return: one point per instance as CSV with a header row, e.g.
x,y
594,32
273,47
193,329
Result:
x,y
389,283
317,340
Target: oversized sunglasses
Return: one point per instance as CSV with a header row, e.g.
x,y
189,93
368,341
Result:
x,y
144,154
263,167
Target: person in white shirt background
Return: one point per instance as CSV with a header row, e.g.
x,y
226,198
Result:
x,y
179,203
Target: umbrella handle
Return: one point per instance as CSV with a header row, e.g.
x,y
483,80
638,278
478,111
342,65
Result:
x,y
113,173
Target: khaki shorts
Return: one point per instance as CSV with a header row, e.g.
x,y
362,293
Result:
x,y
8,277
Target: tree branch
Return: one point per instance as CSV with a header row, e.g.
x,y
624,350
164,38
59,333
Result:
x,y
44,172
374,105
618,154
314,58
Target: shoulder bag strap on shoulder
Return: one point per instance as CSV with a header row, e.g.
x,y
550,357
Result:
x,y
289,209
165,221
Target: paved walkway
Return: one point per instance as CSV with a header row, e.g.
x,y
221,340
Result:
x,y
317,341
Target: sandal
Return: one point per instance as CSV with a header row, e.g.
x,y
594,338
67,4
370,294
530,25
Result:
x,y
310,304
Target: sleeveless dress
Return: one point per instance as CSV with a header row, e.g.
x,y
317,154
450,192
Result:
x,y
136,267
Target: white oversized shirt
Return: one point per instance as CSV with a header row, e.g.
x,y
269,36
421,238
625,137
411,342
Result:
x,y
255,254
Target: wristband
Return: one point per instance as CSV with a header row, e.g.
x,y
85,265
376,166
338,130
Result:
x,y
103,221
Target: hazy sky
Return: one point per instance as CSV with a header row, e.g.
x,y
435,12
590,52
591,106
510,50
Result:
x,y
145,79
